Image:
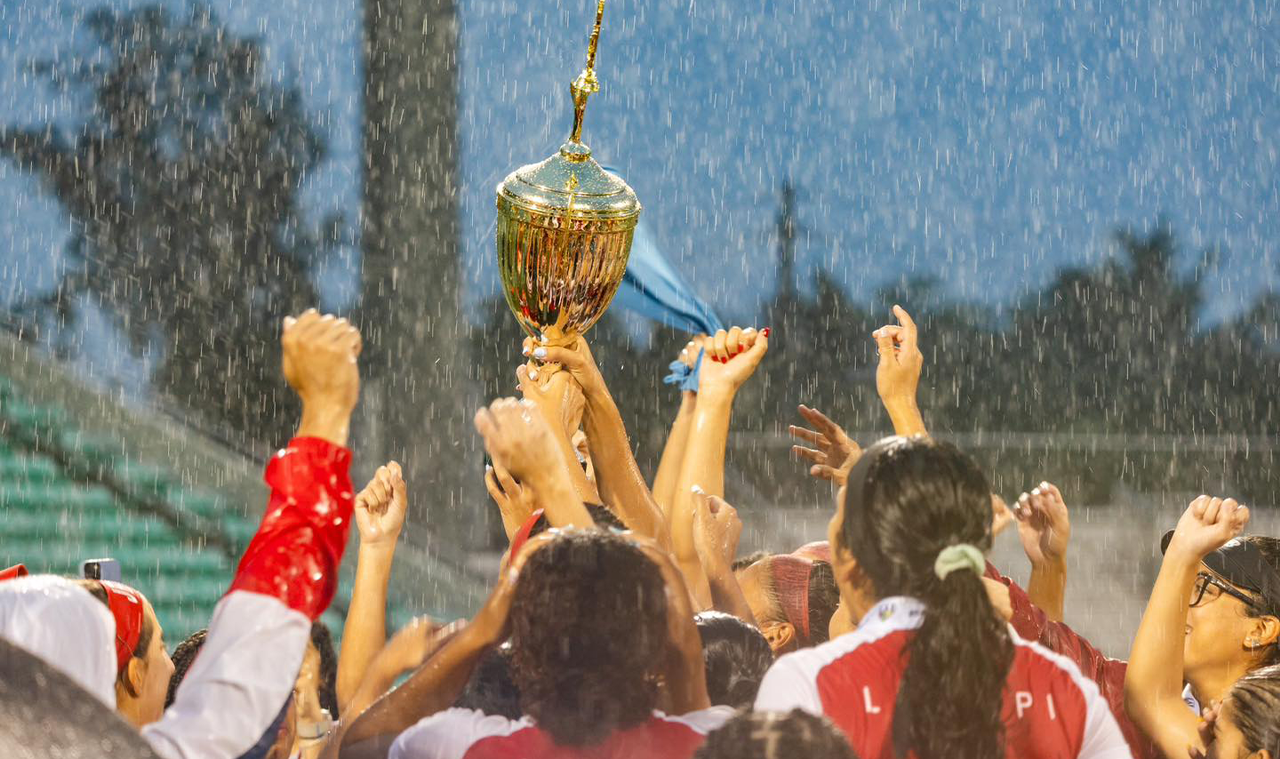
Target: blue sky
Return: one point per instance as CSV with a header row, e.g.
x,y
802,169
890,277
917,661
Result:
x,y
985,143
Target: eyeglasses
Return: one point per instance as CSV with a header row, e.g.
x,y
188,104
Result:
x,y
1208,587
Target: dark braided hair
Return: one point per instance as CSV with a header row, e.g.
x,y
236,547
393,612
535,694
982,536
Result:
x,y
1255,709
588,636
182,657
327,687
773,735
907,500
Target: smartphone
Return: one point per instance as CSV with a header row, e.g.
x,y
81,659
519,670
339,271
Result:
x,y
101,569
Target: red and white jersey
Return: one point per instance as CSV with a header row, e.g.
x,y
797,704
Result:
x,y
249,662
1050,711
469,734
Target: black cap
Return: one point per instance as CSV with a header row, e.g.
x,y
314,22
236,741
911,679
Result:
x,y
1240,563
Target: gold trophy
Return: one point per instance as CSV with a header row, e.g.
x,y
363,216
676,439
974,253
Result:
x,y
564,230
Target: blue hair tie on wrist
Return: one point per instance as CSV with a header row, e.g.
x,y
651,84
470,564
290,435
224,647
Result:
x,y
683,375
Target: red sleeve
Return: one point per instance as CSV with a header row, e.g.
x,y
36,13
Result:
x,y
1031,623
295,554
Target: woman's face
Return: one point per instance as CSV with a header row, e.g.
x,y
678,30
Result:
x,y
157,671
1216,629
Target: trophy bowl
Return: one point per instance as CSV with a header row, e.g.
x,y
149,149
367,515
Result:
x,y
564,231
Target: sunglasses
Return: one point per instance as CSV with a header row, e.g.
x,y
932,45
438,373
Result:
x,y
1201,589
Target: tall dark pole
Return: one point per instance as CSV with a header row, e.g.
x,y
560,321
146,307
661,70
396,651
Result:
x,y
417,402
787,230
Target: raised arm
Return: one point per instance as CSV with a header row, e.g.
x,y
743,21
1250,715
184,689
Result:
x,y
515,502
618,477
833,452
685,676
1154,681
560,401
730,360
717,529
379,511
436,685
520,441
1044,527
898,373
288,574
664,481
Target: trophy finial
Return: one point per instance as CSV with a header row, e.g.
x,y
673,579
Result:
x,y
586,84
564,231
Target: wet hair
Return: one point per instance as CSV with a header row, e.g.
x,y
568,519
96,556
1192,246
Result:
x,y
774,735
588,636
144,638
1255,709
824,597
491,689
906,501
603,517
182,658
736,656
1270,550
328,684
743,562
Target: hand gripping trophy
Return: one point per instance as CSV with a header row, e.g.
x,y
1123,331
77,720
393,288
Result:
x,y
564,230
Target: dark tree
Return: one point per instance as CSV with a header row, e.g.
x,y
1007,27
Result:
x,y
182,182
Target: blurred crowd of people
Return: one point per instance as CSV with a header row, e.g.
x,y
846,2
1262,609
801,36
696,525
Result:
x,y
623,622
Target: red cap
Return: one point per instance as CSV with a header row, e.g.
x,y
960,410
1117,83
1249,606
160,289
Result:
x,y
128,609
791,584
13,572
522,535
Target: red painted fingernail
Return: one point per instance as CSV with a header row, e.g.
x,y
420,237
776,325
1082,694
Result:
x,y
765,332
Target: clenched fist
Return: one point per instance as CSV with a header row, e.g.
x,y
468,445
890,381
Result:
x,y
319,363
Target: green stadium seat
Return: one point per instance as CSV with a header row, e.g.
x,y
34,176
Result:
x,y
17,468
103,504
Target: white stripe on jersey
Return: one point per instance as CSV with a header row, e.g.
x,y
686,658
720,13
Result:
x,y
238,682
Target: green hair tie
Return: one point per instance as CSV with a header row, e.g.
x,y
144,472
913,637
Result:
x,y
959,556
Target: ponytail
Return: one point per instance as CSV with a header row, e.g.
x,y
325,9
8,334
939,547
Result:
x,y
951,694
917,518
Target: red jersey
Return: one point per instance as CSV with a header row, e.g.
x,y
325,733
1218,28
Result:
x,y
1051,711
469,734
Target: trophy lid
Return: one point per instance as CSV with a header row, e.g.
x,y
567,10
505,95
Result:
x,y
570,183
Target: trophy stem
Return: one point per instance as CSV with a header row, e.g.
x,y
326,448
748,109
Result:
x,y
586,84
